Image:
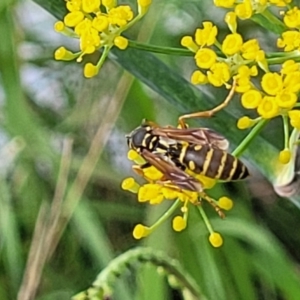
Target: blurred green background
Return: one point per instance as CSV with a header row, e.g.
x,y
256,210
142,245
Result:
x,y
63,155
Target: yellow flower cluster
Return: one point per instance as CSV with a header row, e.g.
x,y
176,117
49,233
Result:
x,y
278,96
156,190
97,24
290,39
278,92
241,61
238,58
245,9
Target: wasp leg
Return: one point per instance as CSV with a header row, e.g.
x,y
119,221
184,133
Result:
x,y
213,204
208,113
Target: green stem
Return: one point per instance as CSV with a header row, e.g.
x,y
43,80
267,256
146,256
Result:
x,y
205,219
282,59
247,140
166,215
286,131
103,56
161,49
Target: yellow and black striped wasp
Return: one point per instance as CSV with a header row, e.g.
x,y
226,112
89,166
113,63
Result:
x,y
173,150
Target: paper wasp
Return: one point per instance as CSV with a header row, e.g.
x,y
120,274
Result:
x,y
173,150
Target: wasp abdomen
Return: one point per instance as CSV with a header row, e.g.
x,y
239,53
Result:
x,y
212,162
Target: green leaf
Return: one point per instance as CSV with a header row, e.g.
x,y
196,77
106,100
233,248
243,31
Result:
x,y
269,21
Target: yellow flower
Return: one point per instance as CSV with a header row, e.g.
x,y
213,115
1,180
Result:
x,y
206,182
286,99
232,44
245,122
219,74
289,66
169,193
244,10
100,23
224,3
73,5
251,50
285,156
225,203
59,26
272,83
230,19
134,156
198,78
205,58
129,184
89,42
188,42
63,54
152,173
140,231
216,239
143,6
179,223
90,70
292,18
243,84
144,2
121,42
149,191
207,35
280,3
251,99
73,18
90,6
294,116
292,81
290,40
83,27
188,196
120,15
109,4
157,200
268,108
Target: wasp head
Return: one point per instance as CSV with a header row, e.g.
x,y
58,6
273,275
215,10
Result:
x,y
137,139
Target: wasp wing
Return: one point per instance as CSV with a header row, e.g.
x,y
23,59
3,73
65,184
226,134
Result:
x,y
197,136
172,173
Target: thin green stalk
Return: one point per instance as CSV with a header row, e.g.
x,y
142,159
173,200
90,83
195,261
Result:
x,y
166,215
248,139
286,131
160,49
205,219
273,58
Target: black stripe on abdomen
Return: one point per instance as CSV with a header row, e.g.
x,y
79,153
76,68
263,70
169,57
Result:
x,y
227,168
215,163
